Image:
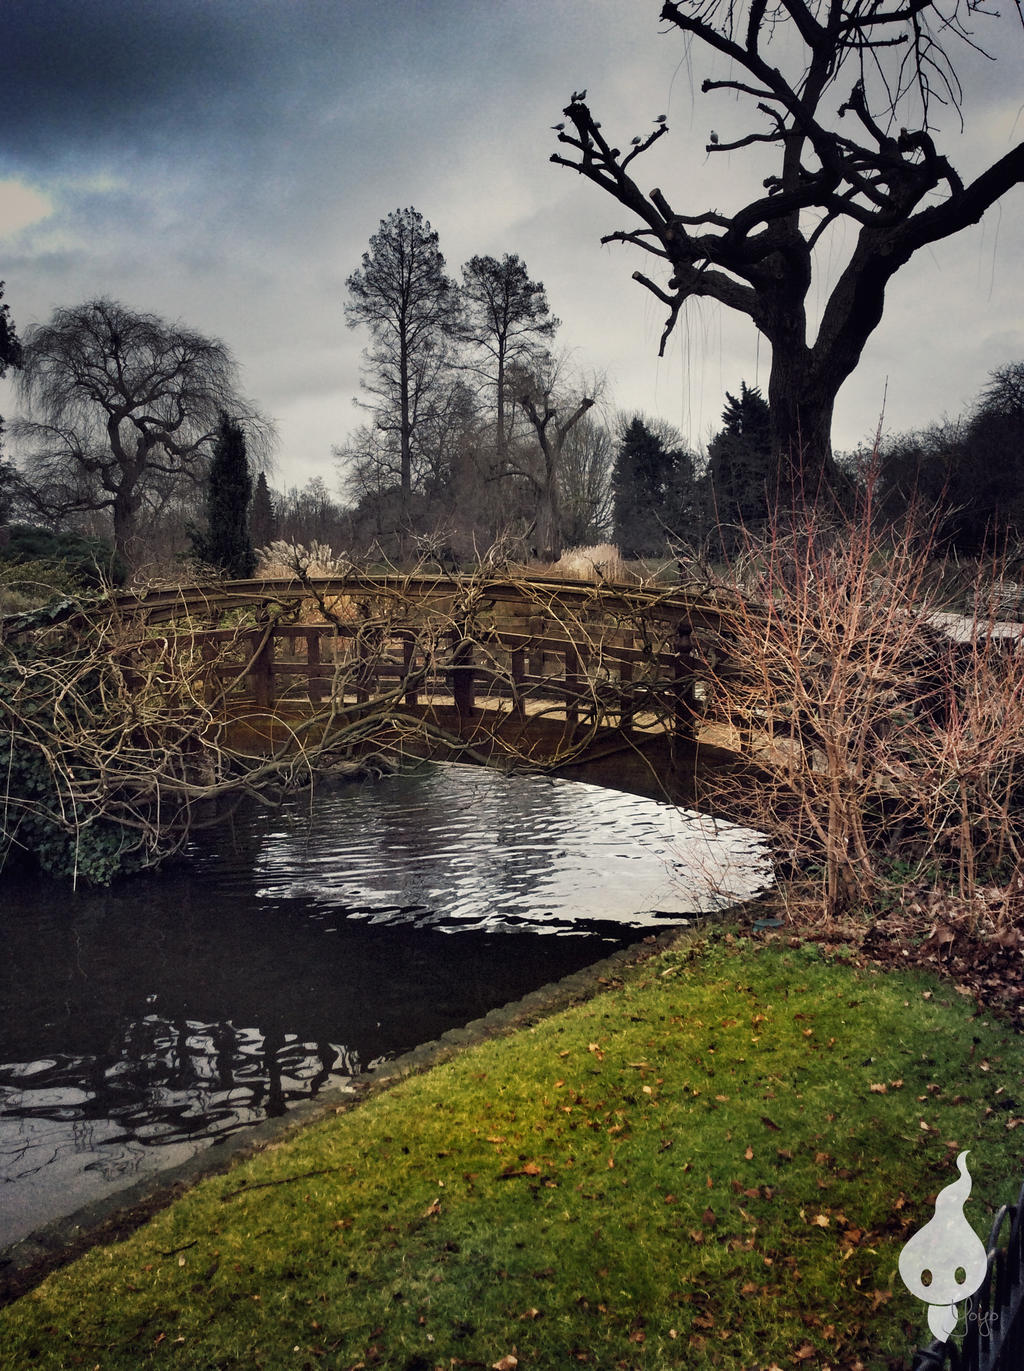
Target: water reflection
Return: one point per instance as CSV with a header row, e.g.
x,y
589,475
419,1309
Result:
x,y
142,1023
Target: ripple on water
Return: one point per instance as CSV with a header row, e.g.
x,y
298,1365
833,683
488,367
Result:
x,y
296,949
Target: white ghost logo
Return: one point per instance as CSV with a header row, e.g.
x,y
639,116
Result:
x,y
933,1260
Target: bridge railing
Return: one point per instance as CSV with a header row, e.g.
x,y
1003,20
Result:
x,y
610,657
499,670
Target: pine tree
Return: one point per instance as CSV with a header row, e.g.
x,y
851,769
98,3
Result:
x,y
651,486
741,475
262,518
227,544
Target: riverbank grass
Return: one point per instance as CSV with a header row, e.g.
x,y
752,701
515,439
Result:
x,y
713,1163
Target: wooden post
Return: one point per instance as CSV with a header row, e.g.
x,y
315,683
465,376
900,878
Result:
x,y
462,674
261,672
537,625
518,677
363,671
572,683
684,713
408,652
316,681
626,694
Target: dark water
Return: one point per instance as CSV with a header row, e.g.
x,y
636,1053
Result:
x,y
305,944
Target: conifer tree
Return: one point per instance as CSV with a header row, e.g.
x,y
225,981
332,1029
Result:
x,y
227,543
262,517
651,486
742,475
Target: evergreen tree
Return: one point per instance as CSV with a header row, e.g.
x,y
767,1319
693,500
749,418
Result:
x,y
227,544
741,475
651,486
262,518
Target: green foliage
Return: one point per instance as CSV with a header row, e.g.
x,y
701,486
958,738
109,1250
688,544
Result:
x,y
262,516
972,469
650,484
227,543
714,1163
87,561
741,476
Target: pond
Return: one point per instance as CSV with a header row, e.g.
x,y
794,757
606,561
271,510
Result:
x,y
301,945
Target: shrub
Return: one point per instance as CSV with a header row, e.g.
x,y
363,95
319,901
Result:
x,y
88,561
880,730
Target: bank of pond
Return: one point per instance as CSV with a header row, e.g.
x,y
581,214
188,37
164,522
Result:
x,y
303,944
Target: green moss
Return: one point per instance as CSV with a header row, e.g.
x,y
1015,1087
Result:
x,y
715,1164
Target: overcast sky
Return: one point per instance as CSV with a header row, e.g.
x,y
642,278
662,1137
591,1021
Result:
x,y
224,162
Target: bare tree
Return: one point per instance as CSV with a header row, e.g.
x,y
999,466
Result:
x,y
586,483
122,409
889,182
554,408
507,321
402,295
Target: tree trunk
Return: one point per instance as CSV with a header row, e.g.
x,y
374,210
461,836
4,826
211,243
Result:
x,y
801,429
548,531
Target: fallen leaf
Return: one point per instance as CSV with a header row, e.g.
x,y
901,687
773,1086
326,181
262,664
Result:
x,y
878,1088
749,1154
507,1363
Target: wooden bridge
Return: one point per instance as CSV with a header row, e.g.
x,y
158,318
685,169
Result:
x,y
539,668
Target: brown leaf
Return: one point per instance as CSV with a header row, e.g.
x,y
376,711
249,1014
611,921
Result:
x,y
749,1154
507,1363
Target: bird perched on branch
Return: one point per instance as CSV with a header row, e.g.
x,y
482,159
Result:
x,y
661,119
558,127
578,95
712,137
636,140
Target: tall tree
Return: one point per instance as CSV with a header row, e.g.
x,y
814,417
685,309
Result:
x,y
411,308
553,409
227,542
741,477
650,482
262,518
122,408
586,484
10,356
894,190
507,320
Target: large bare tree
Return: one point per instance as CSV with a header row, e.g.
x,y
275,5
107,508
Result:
x,y
507,321
844,93
122,409
554,406
402,294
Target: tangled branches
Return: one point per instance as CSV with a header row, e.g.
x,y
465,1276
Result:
x,y
886,733
121,732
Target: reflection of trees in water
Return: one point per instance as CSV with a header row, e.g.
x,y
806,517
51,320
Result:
x,y
167,1081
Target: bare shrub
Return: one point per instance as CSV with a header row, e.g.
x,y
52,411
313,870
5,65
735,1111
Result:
x,y
881,742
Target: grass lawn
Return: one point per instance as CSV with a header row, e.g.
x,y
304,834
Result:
x,y
714,1163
